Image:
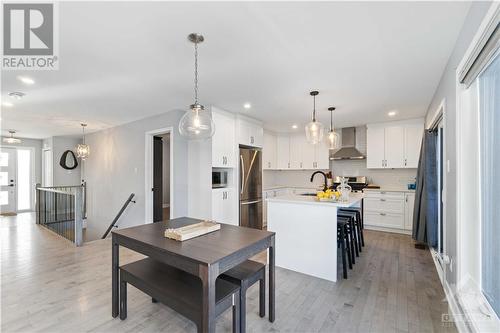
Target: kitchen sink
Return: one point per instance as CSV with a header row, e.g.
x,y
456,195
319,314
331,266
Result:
x,y
309,194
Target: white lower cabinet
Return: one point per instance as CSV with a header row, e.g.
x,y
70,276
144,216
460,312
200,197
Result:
x,y
223,206
389,211
409,205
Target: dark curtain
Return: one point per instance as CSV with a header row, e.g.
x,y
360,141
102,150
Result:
x,y
425,213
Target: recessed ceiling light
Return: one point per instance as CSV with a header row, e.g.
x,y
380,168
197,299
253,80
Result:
x,y
26,80
17,94
295,126
7,104
392,113
247,106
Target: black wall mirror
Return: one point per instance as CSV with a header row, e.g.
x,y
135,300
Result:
x,y
68,160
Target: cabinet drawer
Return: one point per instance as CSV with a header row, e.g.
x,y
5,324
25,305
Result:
x,y
386,220
385,195
384,205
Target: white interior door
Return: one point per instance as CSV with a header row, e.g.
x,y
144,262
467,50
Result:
x,y
8,179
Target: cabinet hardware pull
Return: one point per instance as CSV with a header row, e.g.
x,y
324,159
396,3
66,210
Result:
x,y
288,165
383,214
382,192
382,199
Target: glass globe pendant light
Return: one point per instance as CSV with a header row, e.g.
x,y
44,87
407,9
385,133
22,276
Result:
x,y
196,124
83,149
314,130
332,139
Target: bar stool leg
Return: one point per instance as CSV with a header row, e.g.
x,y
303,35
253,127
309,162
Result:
x,y
348,247
343,250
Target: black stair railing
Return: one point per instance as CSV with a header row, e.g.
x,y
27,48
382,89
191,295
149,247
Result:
x,y
129,200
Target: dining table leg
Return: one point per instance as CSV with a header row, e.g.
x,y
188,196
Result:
x,y
114,277
208,276
272,284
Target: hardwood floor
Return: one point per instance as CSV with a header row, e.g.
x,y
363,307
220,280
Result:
x,y
50,285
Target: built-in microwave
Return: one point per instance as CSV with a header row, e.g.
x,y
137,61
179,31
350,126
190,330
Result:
x,y
219,178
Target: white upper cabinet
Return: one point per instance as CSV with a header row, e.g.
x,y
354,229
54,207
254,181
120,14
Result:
x,y
293,152
223,141
283,152
394,147
413,142
375,140
297,148
395,144
321,156
249,132
269,151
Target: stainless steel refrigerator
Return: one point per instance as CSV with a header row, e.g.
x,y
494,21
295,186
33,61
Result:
x,y
250,188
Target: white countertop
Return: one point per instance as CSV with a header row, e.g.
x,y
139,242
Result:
x,y
309,200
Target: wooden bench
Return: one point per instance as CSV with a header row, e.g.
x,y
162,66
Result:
x,y
178,290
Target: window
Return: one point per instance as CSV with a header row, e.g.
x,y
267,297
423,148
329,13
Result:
x,y
489,104
24,190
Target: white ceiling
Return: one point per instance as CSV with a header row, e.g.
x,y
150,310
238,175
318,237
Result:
x,y
123,61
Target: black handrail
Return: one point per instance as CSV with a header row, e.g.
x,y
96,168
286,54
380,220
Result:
x,y
129,200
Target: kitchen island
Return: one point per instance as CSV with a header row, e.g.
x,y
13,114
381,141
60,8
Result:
x,y
306,233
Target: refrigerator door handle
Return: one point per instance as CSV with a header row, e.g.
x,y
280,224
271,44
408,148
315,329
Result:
x,y
242,174
250,202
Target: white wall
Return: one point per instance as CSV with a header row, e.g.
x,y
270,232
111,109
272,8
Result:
x,y
116,168
446,90
61,176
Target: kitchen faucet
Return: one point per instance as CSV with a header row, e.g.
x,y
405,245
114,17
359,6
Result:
x,y
325,187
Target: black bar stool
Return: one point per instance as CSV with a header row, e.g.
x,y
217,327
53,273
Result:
x,y
348,239
359,218
356,228
342,244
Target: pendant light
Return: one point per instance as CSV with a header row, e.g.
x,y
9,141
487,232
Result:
x,y
314,130
82,149
332,139
197,123
11,139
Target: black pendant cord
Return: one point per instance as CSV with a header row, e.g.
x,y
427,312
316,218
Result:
x,y
196,73
331,121
314,108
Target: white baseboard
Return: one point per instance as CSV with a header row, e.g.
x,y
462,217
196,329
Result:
x,y
455,310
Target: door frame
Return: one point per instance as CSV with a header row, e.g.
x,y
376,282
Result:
x,y
32,175
43,180
440,118
148,171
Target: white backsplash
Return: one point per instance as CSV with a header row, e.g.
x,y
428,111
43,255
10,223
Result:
x,y
381,177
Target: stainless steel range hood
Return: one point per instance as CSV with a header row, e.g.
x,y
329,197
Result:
x,y
348,150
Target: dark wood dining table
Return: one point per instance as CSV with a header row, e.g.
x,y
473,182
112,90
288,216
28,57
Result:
x,y
205,256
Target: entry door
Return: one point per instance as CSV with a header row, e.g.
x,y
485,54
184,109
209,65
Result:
x,y
8,188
